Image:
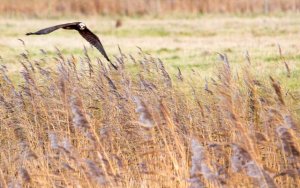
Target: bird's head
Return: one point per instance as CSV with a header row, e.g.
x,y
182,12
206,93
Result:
x,y
82,26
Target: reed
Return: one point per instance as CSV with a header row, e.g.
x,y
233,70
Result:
x,y
141,7
84,124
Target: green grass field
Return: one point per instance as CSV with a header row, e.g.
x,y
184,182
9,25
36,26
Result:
x,y
68,120
186,43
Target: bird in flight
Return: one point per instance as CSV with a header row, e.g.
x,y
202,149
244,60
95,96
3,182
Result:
x,y
83,31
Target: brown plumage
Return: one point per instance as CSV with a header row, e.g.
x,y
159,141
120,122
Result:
x,y
83,31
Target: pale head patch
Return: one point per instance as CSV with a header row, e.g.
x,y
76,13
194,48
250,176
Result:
x,y
82,26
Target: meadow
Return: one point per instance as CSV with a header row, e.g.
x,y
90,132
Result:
x,y
205,101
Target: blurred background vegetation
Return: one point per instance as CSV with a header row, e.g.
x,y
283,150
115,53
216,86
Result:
x,y
43,8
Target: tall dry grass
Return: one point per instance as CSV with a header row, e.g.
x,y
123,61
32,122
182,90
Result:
x,y
83,124
141,7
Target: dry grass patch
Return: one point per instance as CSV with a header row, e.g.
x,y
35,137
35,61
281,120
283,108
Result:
x,y
83,123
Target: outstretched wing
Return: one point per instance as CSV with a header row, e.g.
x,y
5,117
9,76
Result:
x,y
53,28
95,41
